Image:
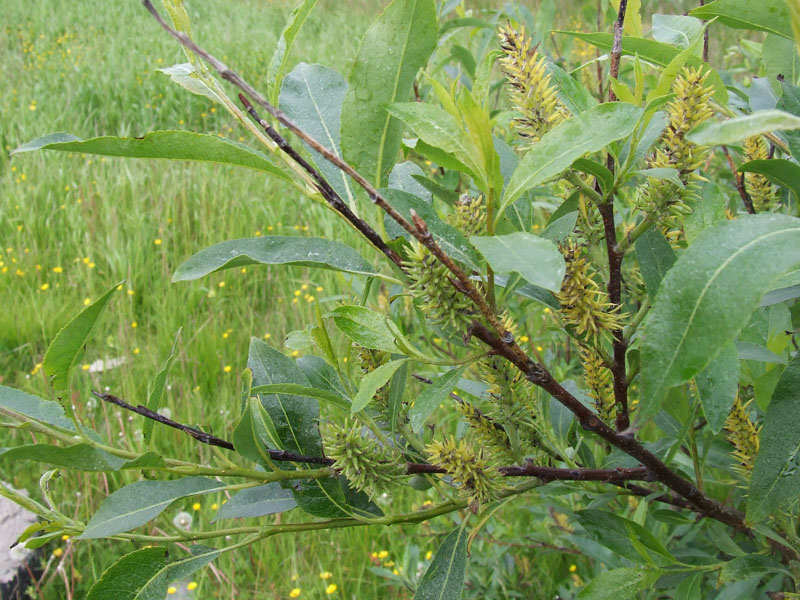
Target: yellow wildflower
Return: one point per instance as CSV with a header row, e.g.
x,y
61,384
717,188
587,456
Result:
x,y
331,589
294,593
192,586
58,552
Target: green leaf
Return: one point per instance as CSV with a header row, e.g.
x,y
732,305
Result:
x,y
157,391
82,457
64,350
717,386
625,537
702,304
440,129
145,574
676,30
430,398
397,388
771,16
173,145
777,170
654,52
776,475
572,94
274,250
757,352
750,565
450,239
531,292
292,389
255,434
790,102
444,578
294,417
656,257
604,177
138,503
278,62
365,327
373,381
536,259
619,584
713,133
35,408
258,501
394,48
586,132
312,97
185,75
322,376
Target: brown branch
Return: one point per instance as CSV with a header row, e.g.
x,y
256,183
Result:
x,y
739,179
616,48
501,342
330,195
705,38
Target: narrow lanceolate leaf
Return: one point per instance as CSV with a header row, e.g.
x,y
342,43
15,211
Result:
x,y
619,584
174,145
431,397
536,259
571,93
274,250
140,502
396,46
146,574
702,305
656,257
81,457
64,350
157,391
717,386
771,16
586,132
33,407
257,501
256,434
312,97
185,75
372,382
712,133
444,578
776,475
278,63
777,170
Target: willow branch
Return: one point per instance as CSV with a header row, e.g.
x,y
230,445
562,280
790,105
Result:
x,y
501,342
616,48
739,179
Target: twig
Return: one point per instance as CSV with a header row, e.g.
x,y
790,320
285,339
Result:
x,y
330,195
616,48
739,179
705,38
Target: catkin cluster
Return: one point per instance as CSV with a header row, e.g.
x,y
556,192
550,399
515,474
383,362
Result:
x,y
662,199
532,94
584,305
468,467
440,301
470,216
491,435
368,465
761,191
743,434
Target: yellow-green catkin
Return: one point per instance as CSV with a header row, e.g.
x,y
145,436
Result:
x,y
369,360
597,377
660,198
532,94
469,468
470,215
493,437
439,300
760,188
743,434
368,465
584,305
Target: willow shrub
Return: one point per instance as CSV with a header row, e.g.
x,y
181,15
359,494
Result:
x,y
632,362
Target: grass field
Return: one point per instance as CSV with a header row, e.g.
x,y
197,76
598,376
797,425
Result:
x,y
73,226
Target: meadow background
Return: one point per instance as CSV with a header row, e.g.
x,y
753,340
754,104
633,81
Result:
x,y
71,226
